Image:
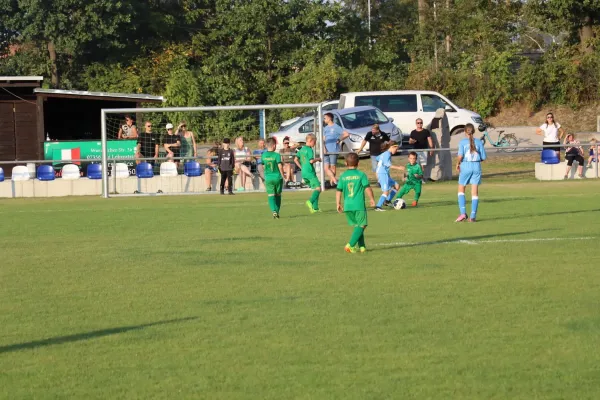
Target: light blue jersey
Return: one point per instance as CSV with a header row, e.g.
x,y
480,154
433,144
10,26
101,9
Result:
x,y
384,162
332,134
464,150
470,167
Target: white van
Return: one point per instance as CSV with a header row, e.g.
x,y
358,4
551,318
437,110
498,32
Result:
x,y
405,106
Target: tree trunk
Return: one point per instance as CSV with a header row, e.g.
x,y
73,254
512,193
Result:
x,y
586,33
422,14
53,65
448,36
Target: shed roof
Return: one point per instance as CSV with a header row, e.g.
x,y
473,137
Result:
x,y
77,94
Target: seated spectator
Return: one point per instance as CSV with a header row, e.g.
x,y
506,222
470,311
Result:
x,y
128,130
147,144
287,157
211,166
243,161
574,153
260,168
171,143
593,156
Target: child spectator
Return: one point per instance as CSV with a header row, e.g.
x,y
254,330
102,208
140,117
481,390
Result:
x,y
260,168
274,176
389,187
226,163
305,160
353,184
593,156
573,153
211,166
414,176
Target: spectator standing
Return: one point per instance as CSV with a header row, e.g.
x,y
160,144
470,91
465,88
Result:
x,y
332,137
260,168
147,144
420,138
552,132
226,163
172,143
593,154
188,143
243,159
287,156
128,130
574,152
377,140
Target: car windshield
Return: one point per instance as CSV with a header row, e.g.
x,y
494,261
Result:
x,y
360,119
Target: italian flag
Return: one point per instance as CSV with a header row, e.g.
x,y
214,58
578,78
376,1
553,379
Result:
x,y
67,155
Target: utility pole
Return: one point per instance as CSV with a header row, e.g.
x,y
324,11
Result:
x,y
369,21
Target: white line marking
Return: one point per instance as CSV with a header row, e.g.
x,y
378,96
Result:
x,y
476,242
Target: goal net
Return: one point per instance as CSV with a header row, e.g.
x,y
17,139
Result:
x,y
149,151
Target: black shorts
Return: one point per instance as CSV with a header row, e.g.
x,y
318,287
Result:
x,y
552,148
574,157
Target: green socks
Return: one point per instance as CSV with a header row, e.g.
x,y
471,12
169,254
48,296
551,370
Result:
x,y
356,235
272,203
314,199
361,239
278,203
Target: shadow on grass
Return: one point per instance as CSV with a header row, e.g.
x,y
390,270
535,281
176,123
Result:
x,y
86,335
392,246
541,214
486,201
523,172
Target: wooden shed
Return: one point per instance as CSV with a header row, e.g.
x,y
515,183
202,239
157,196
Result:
x,y
29,113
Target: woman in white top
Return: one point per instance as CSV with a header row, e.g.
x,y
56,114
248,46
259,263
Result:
x,y
552,132
243,158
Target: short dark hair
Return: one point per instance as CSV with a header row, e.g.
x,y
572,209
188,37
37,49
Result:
x,y
412,153
227,140
271,142
352,159
330,115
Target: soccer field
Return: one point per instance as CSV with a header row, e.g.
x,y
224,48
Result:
x,y
209,297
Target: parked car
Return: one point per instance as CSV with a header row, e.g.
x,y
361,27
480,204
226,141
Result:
x,y
405,106
357,121
325,106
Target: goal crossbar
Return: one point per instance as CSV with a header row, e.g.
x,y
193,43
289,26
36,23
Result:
x,y
254,107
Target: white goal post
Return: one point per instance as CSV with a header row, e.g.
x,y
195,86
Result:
x,y
261,123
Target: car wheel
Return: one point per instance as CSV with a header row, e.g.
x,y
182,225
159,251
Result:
x,y
458,131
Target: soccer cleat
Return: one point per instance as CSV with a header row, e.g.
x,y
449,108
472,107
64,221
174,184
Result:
x,y
387,203
414,203
363,249
472,220
275,215
310,206
461,218
231,193
349,249
379,209
222,193
317,210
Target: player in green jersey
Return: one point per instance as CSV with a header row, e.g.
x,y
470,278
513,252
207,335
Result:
x,y
353,184
305,160
273,170
414,176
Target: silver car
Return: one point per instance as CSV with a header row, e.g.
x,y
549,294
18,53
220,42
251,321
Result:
x,y
357,121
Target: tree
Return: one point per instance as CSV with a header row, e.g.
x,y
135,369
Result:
x,y
64,27
579,17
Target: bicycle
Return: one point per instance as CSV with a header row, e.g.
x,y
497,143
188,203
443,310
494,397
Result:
x,y
506,141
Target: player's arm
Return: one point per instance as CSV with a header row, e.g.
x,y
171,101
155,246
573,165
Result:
x,y
399,168
338,201
430,143
344,135
369,193
297,162
458,161
280,166
419,174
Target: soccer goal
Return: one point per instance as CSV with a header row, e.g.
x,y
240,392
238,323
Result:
x,y
184,139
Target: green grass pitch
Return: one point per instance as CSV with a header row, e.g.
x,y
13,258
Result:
x,y
209,297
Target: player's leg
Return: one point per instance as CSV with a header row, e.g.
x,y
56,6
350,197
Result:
x,y
333,167
208,178
222,183
316,186
394,189
417,188
329,169
463,179
475,182
361,219
278,190
270,189
403,190
384,182
230,181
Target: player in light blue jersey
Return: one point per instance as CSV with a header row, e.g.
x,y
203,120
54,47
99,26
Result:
x,y
470,156
389,187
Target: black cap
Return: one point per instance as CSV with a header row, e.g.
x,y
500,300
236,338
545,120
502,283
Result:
x,y
226,140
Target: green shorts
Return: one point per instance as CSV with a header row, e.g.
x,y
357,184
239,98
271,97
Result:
x,y
274,186
356,218
312,181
